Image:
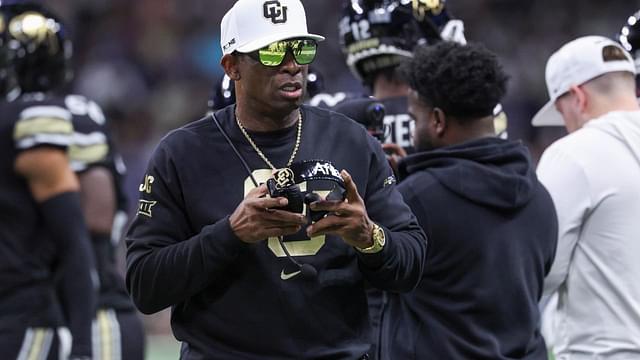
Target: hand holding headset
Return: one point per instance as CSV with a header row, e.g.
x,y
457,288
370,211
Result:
x,y
285,183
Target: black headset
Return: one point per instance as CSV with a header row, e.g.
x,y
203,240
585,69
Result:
x,y
304,171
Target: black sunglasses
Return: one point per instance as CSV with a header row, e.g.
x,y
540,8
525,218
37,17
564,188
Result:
x,y
303,50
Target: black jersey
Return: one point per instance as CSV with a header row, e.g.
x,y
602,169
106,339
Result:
x,y
233,300
398,123
93,147
27,254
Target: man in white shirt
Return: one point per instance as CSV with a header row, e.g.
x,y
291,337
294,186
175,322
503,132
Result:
x,y
593,176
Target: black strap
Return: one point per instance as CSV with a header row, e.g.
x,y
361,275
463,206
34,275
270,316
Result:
x,y
307,170
235,150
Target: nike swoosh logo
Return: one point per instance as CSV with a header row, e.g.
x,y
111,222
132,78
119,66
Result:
x,y
285,276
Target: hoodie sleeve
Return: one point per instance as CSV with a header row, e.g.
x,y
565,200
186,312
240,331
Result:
x,y
398,266
167,261
568,186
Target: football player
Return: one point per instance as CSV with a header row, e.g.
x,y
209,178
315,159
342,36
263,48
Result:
x,y
376,36
41,69
45,257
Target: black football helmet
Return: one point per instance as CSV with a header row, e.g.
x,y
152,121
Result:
x,y
378,34
436,21
35,51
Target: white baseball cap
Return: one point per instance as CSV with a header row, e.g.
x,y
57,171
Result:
x,y
574,64
253,24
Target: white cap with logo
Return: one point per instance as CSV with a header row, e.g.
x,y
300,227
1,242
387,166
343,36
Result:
x,y
253,24
575,63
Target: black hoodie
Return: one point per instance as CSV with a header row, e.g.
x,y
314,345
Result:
x,y
492,228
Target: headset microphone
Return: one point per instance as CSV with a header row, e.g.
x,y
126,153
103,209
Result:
x,y
307,271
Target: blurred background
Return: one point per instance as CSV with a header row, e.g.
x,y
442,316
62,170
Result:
x,y
151,64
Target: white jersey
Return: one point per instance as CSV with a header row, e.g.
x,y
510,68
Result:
x,y
593,176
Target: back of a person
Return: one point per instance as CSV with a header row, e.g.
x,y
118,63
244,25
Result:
x,y
602,290
94,148
27,295
489,252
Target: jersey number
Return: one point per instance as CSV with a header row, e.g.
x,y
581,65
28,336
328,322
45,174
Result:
x,y
360,30
81,106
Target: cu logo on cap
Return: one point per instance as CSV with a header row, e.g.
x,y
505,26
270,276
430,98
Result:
x,y
275,11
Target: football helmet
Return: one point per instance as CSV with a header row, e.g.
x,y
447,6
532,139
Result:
x,y
378,34
35,52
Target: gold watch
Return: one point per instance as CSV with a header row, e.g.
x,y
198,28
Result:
x,y
378,241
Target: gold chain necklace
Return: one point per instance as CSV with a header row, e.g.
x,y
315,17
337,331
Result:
x,y
261,154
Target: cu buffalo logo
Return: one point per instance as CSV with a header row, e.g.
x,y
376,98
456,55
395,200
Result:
x,y
284,178
274,11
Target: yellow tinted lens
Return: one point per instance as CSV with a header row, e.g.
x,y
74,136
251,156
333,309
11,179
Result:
x,y
304,51
273,54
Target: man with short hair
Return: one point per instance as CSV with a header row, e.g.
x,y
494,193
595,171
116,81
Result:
x,y
490,223
376,36
593,175
247,274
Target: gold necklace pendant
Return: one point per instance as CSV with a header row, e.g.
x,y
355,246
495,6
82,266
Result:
x,y
261,154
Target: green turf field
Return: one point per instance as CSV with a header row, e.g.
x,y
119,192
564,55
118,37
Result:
x,y
167,348
162,348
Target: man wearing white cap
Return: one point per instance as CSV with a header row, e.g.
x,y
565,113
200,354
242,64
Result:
x,y
593,175
246,277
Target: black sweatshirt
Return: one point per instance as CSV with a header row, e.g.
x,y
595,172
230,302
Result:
x,y
231,300
492,233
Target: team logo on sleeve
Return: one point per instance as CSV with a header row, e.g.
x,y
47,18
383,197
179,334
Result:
x,y
144,207
146,184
